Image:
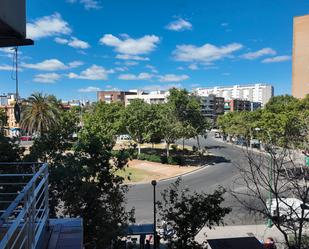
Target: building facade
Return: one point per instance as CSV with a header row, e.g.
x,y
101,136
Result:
x,y
7,102
254,93
113,96
153,97
300,66
237,105
211,106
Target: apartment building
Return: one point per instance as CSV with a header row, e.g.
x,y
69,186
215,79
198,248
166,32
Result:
x,y
300,65
153,97
114,96
254,92
211,106
7,102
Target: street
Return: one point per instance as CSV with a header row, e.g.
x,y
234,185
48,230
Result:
x,y
220,173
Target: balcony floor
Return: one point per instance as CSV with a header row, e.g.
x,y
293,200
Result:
x,y
65,234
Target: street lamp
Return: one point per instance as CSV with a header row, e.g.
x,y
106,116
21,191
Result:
x,y
154,183
270,177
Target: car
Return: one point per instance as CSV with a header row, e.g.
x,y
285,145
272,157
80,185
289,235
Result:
x,y
217,135
25,138
289,208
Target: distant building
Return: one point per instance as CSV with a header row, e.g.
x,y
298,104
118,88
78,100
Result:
x,y
254,93
234,105
153,97
300,66
7,102
114,96
211,106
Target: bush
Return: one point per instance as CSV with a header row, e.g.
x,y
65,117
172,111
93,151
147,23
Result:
x,y
194,148
151,158
174,147
173,160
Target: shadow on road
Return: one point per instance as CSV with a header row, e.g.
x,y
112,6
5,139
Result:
x,y
212,160
215,147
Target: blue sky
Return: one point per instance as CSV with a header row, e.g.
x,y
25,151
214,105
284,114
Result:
x,y
85,45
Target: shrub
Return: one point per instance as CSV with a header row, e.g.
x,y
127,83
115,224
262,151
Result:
x,y
151,158
174,147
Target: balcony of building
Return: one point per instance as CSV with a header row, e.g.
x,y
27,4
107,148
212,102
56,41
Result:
x,y
24,211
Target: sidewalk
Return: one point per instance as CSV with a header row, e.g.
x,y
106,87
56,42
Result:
x,y
261,232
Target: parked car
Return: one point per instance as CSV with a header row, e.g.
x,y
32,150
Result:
x,y
25,138
124,137
217,135
289,208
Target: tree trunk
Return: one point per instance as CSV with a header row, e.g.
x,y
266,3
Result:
x,y
139,148
167,150
183,144
198,142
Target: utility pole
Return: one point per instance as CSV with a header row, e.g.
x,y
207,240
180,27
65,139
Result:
x,y
154,183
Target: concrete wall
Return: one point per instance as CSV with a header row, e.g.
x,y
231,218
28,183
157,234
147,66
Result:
x,y
300,76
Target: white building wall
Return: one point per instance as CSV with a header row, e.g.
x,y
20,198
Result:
x,y
155,97
255,93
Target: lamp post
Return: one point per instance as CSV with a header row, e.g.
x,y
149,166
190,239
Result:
x,y
270,177
154,183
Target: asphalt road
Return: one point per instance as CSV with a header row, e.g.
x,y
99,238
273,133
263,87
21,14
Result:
x,y
220,173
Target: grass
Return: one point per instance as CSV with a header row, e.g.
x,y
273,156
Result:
x,y
132,174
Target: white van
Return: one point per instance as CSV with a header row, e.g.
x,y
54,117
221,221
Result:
x,y
290,208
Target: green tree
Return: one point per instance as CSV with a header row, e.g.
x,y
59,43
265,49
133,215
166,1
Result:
x,y
170,127
137,121
105,121
82,179
187,213
154,128
187,110
40,114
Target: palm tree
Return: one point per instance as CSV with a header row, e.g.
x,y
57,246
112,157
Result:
x,y
40,114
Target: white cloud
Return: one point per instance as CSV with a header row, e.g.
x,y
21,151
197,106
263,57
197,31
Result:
x,y
259,53
47,78
92,73
61,40
75,64
73,42
47,65
6,68
141,76
225,24
52,65
76,43
193,67
205,53
179,25
88,4
172,77
131,63
152,68
48,26
275,59
131,57
121,69
130,46
89,89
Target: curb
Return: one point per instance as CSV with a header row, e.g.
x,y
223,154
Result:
x,y
172,177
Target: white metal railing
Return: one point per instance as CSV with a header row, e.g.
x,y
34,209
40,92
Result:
x,y
24,194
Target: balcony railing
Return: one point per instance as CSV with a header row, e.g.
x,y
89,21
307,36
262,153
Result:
x,y
24,204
